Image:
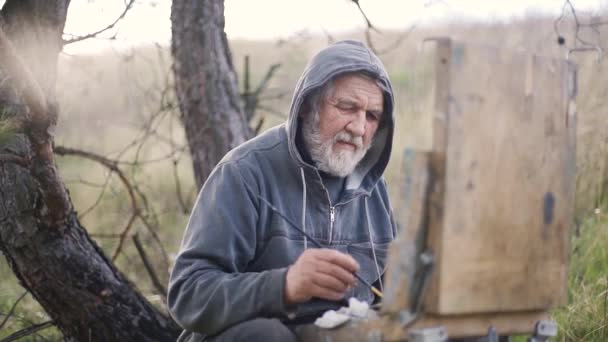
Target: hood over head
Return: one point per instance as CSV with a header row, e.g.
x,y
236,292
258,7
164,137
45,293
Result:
x,y
343,57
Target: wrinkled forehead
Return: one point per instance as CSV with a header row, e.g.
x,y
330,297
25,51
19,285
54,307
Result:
x,y
355,89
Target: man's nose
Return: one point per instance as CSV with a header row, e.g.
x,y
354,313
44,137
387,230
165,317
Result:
x,y
356,126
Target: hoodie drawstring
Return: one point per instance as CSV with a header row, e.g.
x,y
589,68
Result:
x,y
304,207
371,240
367,219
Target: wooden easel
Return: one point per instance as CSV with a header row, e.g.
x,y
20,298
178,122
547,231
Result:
x,y
486,214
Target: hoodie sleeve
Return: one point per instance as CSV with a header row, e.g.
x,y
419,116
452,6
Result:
x,y
208,289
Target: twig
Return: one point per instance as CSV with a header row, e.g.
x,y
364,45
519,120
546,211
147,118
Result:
x,y
394,45
252,99
112,166
148,265
330,38
371,27
279,95
258,127
369,23
99,197
273,111
27,331
578,25
178,189
152,232
105,236
273,68
10,312
94,34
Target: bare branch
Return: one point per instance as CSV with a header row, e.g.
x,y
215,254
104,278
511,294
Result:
x,y
178,190
393,45
158,241
273,111
279,95
580,43
273,68
367,21
99,197
148,265
371,27
123,236
112,166
12,309
136,210
109,27
105,236
27,331
253,98
330,38
258,127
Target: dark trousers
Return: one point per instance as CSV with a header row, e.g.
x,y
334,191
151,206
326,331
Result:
x,y
260,329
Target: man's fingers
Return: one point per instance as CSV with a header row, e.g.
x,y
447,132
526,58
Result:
x,y
343,275
341,259
330,282
325,293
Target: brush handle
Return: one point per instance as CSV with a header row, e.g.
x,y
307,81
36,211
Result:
x,y
315,242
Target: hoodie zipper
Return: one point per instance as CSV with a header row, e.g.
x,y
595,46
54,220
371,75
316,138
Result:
x,y
332,218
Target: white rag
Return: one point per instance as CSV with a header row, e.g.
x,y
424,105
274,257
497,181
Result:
x,y
331,318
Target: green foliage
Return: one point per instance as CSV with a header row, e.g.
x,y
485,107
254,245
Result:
x,y
26,314
8,127
585,317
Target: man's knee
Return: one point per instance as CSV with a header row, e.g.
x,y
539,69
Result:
x,y
260,329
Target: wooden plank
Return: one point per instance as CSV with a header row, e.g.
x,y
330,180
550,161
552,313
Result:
x,y
478,324
443,62
411,214
384,328
501,237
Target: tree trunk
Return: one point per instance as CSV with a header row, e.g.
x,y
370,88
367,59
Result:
x,y
40,235
206,84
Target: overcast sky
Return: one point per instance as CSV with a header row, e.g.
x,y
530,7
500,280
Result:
x,y
149,20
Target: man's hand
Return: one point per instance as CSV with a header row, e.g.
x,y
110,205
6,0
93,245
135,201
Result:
x,y
322,273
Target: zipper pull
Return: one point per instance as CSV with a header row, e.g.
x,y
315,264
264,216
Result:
x,y
332,214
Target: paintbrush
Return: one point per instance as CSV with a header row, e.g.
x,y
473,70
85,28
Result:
x,y
316,243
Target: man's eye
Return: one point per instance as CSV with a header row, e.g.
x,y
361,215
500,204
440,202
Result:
x,y
372,117
347,108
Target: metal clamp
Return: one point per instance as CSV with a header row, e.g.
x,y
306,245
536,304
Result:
x,y
543,330
435,334
596,48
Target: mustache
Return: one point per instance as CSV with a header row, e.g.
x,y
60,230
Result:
x,y
349,138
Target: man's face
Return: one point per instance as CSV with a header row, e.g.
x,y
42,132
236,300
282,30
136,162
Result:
x,y
347,121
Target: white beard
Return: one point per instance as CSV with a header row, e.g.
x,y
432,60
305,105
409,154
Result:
x,y
341,163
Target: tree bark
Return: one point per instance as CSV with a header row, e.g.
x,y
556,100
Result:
x,y
40,235
206,84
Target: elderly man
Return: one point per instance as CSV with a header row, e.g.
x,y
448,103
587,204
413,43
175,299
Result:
x,y
243,272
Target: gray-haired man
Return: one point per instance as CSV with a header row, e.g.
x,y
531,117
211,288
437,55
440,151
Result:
x,y
243,273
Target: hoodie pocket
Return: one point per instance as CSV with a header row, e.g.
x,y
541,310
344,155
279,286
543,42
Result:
x,y
362,252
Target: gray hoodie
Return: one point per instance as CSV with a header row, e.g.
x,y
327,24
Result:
x,y
236,250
